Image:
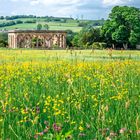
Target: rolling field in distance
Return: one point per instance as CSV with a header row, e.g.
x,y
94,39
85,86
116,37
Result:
x,y
69,25
52,26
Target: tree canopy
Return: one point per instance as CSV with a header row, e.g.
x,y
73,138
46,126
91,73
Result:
x,y
123,26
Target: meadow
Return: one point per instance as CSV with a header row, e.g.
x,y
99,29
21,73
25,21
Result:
x,y
69,94
69,25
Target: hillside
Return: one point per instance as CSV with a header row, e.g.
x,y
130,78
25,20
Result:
x,y
31,22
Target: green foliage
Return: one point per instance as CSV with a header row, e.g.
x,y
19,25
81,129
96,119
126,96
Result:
x,y
46,26
10,23
82,24
87,36
75,41
39,26
69,38
3,39
121,34
19,22
134,38
99,45
123,26
30,21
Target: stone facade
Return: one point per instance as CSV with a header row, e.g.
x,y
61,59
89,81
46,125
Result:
x,y
36,39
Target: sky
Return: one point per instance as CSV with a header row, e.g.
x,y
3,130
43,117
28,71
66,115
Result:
x,y
82,9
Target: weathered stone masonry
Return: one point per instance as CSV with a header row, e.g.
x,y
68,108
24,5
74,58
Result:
x,y
36,39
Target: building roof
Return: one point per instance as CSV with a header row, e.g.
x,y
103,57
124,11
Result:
x,y
37,31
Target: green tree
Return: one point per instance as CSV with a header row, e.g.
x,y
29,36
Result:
x,y
75,41
69,38
39,26
46,26
3,39
106,33
87,36
123,26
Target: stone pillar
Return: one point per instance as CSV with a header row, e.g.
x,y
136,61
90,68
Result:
x,y
61,41
44,42
64,41
9,41
12,41
15,40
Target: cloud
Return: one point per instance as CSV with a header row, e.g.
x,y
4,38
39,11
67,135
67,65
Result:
x,y
88,8
115,2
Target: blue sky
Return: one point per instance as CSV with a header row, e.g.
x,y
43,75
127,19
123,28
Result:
x,y
88,9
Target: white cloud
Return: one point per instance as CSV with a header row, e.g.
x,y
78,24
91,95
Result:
x,y
34,2
115,2
88,8
51,2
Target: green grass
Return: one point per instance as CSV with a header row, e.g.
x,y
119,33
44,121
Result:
x,y
20,55
61,95
51,27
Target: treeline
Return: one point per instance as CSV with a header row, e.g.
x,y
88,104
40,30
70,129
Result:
x,y
33,19
121,30
49,18
91,23
11,23
17,17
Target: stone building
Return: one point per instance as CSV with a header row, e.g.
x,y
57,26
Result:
x,y
36,39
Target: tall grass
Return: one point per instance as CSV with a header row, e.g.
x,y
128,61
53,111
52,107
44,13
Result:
x,y
68,99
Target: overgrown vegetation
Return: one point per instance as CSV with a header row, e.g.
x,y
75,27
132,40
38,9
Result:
x,y
121,30
44,96
3,40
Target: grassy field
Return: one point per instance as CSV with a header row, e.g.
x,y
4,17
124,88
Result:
x,y
52,26
69,25
62,95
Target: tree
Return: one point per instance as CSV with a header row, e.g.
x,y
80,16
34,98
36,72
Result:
x,y
121,35
3,39
86,37
39,26
123,26
2,17
75,41
69,37
19,22
106,33
46,26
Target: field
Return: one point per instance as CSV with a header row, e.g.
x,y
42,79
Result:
x,y
68,94
69,25
52,26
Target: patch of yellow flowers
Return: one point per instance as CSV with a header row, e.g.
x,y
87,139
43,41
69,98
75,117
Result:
x,y
64,92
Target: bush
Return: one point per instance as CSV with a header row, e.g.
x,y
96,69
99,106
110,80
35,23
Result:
x,y
19,22
99,45
10,23
82,24
87,46
3,39
103,45
30,21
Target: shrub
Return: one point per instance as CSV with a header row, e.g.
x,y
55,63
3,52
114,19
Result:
x,y
19,22
99,45
3,39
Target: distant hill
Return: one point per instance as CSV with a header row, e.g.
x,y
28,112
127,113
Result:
x,y
54,23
